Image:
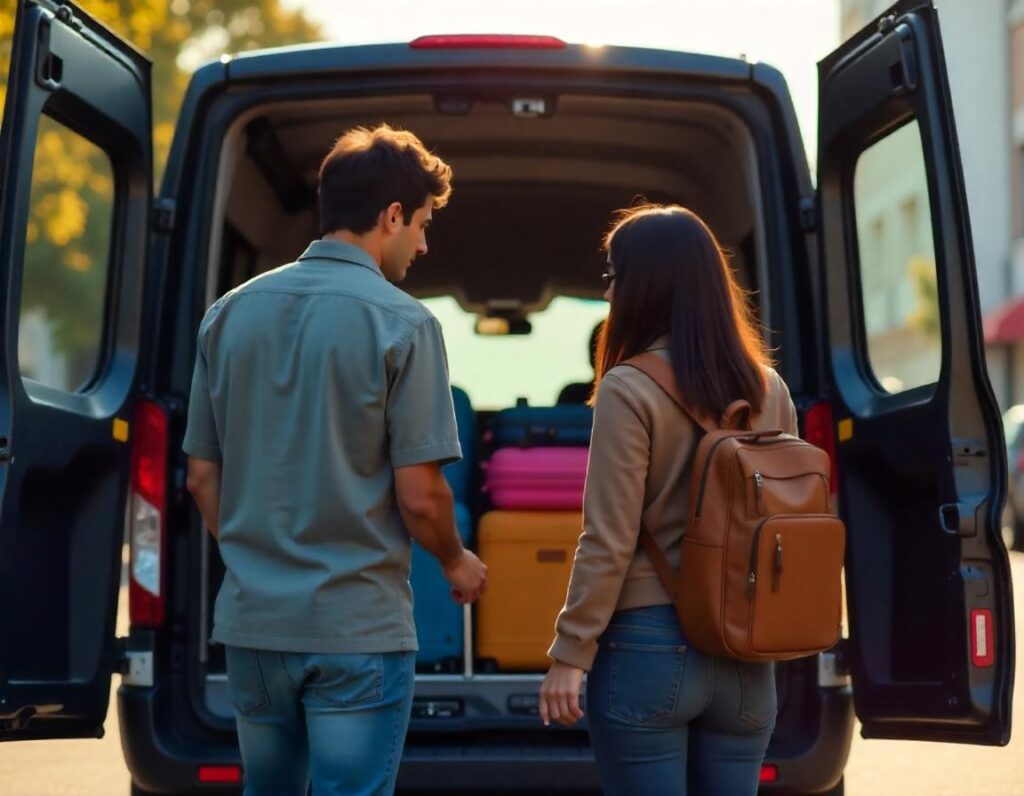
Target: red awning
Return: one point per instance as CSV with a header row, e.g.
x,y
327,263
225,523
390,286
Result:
x,y
1005,324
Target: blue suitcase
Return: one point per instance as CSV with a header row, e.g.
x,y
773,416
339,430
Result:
x,y
438,617
542,426
460,475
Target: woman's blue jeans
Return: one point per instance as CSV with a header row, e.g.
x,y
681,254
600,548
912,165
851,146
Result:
x,y
339,720
667,719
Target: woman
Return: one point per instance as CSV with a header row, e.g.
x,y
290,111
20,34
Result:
x,y
662,715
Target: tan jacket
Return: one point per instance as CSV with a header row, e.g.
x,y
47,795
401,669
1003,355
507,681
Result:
x,y
641,454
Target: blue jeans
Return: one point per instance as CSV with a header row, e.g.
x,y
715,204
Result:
x,y
667,719
340,719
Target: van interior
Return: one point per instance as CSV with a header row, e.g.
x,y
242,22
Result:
x,y
536,181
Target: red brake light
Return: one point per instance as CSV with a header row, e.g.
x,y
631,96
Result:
x,y
147,506
819,430
474,41
769,773
220,774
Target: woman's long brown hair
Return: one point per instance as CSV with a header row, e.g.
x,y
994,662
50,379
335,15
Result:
x,y
671,277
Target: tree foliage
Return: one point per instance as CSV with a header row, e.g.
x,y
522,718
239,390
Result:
x,y
68,233
925,316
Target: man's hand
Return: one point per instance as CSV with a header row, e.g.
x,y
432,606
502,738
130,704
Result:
x,y
467,575
560,694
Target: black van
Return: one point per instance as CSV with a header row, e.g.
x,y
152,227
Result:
x,y
545,139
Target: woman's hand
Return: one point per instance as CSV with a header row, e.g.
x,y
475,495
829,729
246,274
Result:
x,y
560,694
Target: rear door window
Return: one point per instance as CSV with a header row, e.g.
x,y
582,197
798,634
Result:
x,y
897,262
66,266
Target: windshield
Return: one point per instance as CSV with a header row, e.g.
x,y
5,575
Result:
x,y
496,370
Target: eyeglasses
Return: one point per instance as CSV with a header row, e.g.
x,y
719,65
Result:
x,y
607,278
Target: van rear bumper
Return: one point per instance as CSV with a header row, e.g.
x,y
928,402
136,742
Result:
x,y
814,763
160,760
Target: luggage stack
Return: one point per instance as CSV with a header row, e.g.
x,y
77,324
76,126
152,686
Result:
x,y
534,480
439,625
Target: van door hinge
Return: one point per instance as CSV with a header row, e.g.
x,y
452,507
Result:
x,y
135,666
164,214
808,214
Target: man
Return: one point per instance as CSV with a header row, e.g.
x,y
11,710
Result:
x,y
319,419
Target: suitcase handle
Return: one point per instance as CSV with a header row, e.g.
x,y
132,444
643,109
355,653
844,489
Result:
x,y
535,434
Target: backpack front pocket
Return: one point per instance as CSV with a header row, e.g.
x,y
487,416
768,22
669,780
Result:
x,y
794,583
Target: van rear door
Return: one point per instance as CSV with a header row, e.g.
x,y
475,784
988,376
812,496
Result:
x,y
920,454
76,172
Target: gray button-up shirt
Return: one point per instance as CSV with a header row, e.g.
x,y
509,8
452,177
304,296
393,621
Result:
x,y
312,383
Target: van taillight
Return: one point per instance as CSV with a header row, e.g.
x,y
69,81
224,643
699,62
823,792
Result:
x,y
818,430
219,774
146,516
474,41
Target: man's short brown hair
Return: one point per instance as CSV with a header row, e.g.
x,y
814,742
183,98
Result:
x,y
367,170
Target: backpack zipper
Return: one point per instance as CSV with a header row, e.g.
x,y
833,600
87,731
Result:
x,y
707,467
758,484
777,572
752,577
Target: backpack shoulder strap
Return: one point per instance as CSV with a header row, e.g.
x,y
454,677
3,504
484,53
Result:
x,y
661,373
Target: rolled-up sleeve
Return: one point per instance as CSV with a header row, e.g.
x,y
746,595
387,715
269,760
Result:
x,y
201,438
613,503
420,413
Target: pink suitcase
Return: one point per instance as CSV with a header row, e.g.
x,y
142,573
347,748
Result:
x,y
539,479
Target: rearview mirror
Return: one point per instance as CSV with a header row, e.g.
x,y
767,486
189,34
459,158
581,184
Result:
x,y
495,325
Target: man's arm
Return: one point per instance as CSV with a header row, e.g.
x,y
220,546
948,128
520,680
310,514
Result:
x,y
203,482
426,504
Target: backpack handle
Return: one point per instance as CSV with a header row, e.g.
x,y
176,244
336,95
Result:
x,y
736,416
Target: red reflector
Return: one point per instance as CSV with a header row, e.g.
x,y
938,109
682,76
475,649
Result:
x,y
473,41
818,430
769,773
983,638
220,773
144,608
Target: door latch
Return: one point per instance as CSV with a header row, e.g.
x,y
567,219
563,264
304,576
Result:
x,y
832,669
135,666
958,519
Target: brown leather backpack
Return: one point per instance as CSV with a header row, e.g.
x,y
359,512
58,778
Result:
x,y
762,555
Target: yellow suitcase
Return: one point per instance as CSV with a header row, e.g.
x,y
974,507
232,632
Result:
x,y
529,558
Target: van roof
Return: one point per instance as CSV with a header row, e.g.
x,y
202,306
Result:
x,y
327,57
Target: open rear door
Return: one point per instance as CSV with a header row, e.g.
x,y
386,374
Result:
x,y
921,460
76,175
